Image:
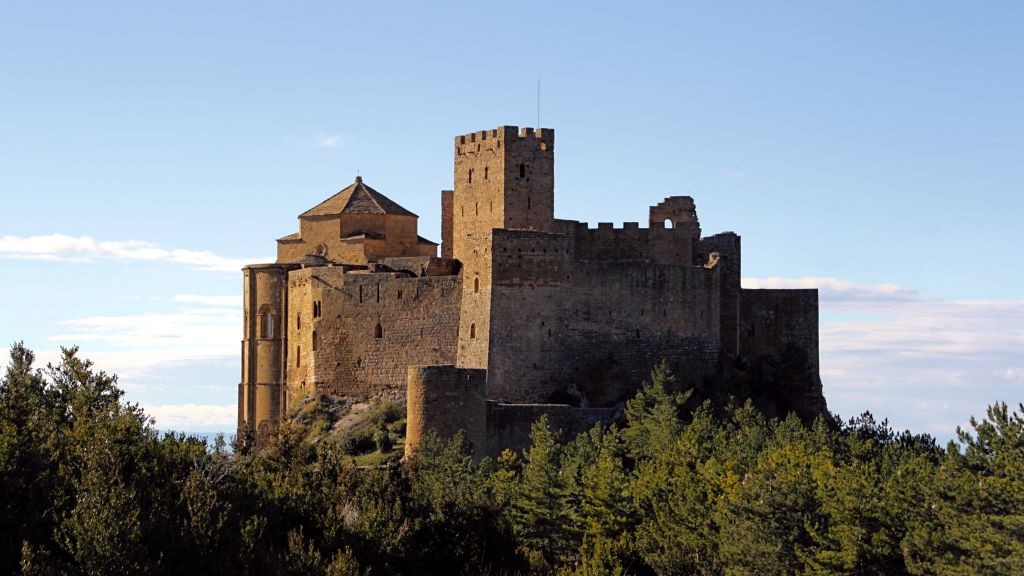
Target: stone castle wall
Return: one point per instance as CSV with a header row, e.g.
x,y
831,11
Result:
x,y
568,330
444,399
773,319
368,327
509,425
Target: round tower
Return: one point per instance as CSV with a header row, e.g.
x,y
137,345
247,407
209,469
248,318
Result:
x,y
264,349
445,399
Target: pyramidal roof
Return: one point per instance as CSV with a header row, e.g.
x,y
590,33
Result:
x,y
358,198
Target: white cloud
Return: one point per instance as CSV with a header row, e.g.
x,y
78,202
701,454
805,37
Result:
x,y
925,363
204,332
327,140
228,300
194,417
319,140
60,247
835,291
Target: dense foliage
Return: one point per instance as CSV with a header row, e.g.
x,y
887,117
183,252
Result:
x,y
87,486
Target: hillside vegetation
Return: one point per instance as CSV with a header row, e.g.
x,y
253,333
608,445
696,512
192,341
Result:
x,y
87,486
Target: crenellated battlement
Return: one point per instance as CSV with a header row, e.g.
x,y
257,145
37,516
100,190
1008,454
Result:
x,y
493,140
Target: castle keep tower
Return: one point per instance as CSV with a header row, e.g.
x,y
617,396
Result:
x,y
504,179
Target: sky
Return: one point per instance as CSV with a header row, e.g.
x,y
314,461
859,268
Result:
x,y
874,150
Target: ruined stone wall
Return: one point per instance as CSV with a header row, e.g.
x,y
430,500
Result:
x,y
369,328
444,399
656,244
447,207
508,425
727,247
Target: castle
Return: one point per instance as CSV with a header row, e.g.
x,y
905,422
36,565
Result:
x,y
522,314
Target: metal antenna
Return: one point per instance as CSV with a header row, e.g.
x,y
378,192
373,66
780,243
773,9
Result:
x,y
538,103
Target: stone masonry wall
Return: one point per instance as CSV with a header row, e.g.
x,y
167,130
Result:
x,y
589,332
370,327
771,319
508,425
445,399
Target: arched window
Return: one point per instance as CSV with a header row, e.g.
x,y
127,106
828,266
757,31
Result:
x,y
268,322
476,285
378,331
472,331
668,223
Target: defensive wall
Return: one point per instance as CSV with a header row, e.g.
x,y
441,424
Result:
x,y
444,399
356,331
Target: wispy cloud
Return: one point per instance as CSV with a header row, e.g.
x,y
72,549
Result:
x,y
837,293
226,300
197,332
327,140
926,363
194,417
60,247
319,140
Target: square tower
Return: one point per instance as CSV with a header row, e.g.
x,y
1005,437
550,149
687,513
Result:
x,y
504,178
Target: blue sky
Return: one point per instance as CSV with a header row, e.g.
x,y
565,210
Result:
x,y
872,149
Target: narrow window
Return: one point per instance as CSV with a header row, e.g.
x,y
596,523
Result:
x,y
463,207
486,171
472,331
298,356
638,333
492,206
470,175
476,285
378,292
399,294
316,341
298,320
522,170
529,203
378,332
476,205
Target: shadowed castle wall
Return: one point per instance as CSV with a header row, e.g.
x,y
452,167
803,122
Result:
x,y
588,331
444,400
773,319
509,425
